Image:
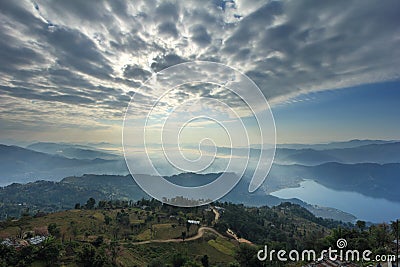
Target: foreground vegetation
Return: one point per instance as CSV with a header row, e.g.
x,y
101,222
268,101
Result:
x,y
148,233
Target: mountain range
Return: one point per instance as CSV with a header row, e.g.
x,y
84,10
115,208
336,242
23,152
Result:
x,y
72,151
371,153
337,144
22,165
365,166
373,176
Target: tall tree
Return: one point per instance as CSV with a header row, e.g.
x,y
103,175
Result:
x,y
361,225
90,203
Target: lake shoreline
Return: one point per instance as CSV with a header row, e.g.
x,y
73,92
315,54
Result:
x,y
363,207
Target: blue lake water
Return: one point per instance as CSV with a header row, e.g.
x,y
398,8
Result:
x,y
363,207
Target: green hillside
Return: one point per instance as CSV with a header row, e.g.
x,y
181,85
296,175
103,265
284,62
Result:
x,y
149,233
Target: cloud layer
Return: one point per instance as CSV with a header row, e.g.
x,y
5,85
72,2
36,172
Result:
x,y
76,63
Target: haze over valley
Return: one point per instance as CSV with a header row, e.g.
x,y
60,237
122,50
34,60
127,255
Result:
x,y
368,168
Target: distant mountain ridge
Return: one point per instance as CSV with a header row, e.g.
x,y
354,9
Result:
x,y
19,164
377,180
371,153
356,151
337,144
71,151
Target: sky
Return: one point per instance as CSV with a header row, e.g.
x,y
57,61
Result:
x,y
362,112
329,69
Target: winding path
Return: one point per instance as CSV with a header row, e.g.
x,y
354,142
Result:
x,y
199,234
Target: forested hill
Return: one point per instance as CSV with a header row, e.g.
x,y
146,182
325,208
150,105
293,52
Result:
x,y
149,233
47,196
127,233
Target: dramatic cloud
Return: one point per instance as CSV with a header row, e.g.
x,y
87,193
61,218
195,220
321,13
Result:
x,y
60,57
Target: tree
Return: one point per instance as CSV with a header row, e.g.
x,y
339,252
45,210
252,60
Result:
x,y
362,244
204,261
54,230
380,235
393,227
90,257
178,260
361,225
101,259
102,204
246,255
123,218
73,228
183,236
156,263
107,219
87,255
191,263
50,252
77,206
8,256
115,250
99,240
90,203
26,254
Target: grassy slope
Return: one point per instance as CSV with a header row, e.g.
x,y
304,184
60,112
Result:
x,y
89,224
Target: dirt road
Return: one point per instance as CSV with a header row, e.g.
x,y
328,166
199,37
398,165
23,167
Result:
x,y
199,234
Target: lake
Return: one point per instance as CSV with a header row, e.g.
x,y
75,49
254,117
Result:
x,y
363,207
